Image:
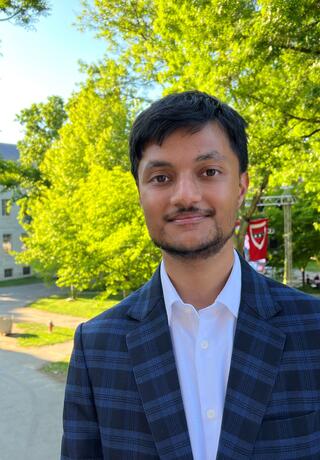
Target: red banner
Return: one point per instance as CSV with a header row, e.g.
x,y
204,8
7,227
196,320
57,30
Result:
x,y
258,239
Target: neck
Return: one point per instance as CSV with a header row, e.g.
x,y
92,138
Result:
x,y
199,282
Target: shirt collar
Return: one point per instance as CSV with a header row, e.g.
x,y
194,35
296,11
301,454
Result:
x,y
229,296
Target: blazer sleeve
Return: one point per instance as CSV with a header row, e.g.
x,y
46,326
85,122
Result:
x,y
81,436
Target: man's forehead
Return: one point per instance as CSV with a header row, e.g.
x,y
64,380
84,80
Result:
x,y
183,131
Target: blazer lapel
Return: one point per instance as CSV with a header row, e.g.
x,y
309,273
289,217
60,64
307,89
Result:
x,y
254,366
154,367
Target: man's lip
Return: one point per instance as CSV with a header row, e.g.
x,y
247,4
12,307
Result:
x,y
187,217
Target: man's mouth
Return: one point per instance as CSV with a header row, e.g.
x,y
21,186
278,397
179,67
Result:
x,y
189,217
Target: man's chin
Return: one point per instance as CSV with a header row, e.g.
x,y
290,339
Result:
x,y
200,251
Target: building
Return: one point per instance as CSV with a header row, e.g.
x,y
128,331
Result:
x,y
11,232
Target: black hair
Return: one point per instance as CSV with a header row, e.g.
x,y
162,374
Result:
x,y
190,110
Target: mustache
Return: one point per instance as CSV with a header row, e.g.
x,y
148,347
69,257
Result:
x,y
180,212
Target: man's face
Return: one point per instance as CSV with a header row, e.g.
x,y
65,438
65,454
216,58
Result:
x,y
190,190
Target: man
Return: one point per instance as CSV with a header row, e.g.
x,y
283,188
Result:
x,y
209,359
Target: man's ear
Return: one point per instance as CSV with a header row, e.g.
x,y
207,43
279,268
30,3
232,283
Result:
x,y
243,187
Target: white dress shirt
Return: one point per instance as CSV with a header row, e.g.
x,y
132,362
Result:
x,y
202,343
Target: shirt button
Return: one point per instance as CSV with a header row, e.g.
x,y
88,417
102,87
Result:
x,y
211,414
204,344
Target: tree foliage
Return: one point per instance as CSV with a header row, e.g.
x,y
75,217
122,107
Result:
x,y
94,237
87,227
23,12
41,123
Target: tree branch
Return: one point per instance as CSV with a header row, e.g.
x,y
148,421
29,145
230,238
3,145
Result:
x,y
299,49
311,134
308,120
13,15
288,114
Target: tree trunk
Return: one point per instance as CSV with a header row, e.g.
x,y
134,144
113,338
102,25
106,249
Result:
x,y
73,293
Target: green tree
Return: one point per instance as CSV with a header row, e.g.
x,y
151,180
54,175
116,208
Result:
x,y
87,227
93,237
23,12
41,123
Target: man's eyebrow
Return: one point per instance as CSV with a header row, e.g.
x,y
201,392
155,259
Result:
x,y
157,164
212,155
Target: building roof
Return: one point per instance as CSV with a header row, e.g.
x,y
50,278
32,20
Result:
x,y
9,152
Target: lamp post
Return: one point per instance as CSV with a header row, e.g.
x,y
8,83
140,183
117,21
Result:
x,y
287,235
286,200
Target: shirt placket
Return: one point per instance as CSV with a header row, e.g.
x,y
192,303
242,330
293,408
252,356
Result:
x,y
207,381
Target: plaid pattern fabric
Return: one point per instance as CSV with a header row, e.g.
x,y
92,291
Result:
x,y
123,399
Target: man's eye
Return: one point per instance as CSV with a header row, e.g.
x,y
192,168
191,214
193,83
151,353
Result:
x,y
210,172
160,179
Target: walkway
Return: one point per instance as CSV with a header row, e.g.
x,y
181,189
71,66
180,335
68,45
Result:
x,y
31,402
13,302
19,296
31,409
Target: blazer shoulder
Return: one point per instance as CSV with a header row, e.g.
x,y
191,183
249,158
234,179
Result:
x,y
118,311
106,331
133,308
114,320
292,299
110,328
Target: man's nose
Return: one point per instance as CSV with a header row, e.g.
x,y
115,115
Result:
x,y
186,191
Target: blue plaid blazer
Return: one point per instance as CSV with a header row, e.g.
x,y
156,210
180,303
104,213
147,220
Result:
x,y
123,399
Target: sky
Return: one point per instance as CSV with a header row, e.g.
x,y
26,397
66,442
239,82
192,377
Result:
x,y
39,63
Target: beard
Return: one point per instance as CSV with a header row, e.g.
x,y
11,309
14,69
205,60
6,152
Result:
x,y
203,251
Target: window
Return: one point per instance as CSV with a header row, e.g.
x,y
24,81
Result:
x,y
26,270
8,272
26,219
6,242
5,207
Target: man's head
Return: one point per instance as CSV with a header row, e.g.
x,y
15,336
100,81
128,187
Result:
x,y
190,110
189,158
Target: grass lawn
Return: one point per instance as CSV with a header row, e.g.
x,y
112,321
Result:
x,y
313,266
84,306
310,290
38,335
59,368
20,281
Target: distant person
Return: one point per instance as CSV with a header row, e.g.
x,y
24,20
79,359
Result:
x,y
209,359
